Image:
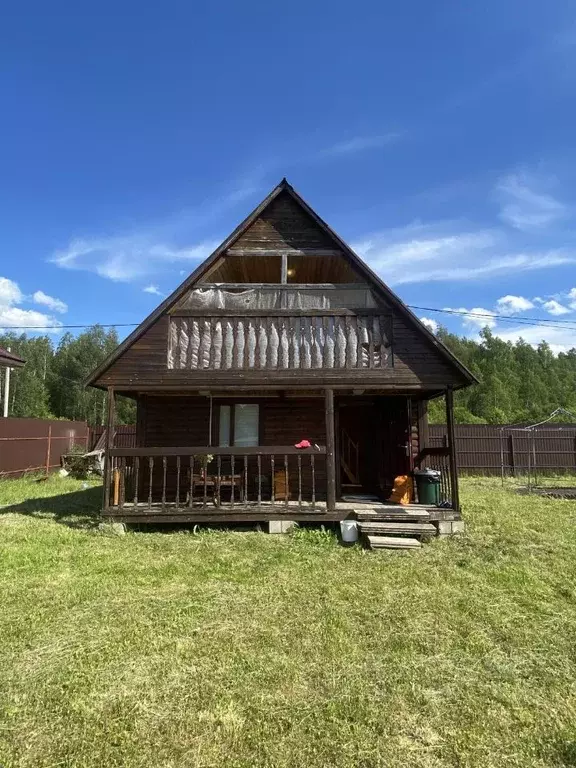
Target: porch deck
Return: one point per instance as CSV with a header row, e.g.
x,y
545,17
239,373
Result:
x,y
142,512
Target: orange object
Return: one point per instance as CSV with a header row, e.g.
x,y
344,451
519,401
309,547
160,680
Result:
x,y
403,490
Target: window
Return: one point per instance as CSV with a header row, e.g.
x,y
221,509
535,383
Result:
x,y
238,425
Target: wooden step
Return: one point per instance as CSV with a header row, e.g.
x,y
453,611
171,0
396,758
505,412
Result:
x,y
397,528
392,542
400,514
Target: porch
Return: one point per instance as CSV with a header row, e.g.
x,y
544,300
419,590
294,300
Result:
x,y
359,444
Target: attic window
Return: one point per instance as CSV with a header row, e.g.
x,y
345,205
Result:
x,y
373,355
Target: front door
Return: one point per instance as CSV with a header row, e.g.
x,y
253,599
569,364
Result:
x,y
359,447
395,441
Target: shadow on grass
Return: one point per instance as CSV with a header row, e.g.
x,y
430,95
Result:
x,y
79,509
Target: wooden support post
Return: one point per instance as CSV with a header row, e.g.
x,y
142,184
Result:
x,y
452,448
330,452
48,449
110,415
116,497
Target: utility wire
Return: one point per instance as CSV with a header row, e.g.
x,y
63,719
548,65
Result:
x,y
531,321
551,322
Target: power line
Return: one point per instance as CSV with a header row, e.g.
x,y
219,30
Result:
x,y
494,315
64,327
519,320
533,321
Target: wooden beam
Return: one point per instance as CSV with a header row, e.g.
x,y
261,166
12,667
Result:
x,y
287,287
330,452
213,450
284,252
215,312
242,514
110,417
193,386
452,448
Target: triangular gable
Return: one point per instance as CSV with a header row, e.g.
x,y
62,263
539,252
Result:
x,y
299,229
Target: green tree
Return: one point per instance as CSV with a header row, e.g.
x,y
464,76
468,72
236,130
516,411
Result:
x,y
29,394
75,358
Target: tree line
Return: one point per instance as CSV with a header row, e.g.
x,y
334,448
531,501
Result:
x,y
518,383
51,384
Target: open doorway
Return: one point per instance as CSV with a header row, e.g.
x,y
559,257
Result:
x,y
373,445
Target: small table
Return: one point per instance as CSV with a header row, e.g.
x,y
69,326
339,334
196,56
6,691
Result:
x,y
216,484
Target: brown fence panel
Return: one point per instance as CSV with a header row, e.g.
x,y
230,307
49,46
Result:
x,y
28,445
489,449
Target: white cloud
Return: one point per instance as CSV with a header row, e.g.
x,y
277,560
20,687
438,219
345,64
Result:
x,y
554,307
431,252
526,204
361,144
16,318
10,293
148,249
153,289
56,305
475,318
429,323
127,258
559,339
512,305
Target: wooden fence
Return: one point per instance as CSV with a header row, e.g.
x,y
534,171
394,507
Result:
x,y
491,449
36,445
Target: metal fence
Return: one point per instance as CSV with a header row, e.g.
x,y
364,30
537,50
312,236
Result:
x,y
33,445
509,450
483,449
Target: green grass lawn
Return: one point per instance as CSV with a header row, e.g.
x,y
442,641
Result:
x,y
243,649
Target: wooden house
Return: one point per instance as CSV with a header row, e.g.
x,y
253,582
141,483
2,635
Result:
x,y
283,334
8,360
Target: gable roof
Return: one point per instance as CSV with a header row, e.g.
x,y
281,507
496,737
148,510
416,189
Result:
x,y
348,253
8,360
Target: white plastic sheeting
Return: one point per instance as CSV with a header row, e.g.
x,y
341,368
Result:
x,y
274,298
224,343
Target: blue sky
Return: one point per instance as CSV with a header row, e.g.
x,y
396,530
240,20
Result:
x,y
437,138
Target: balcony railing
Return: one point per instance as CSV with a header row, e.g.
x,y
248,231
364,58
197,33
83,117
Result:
x,y
176,479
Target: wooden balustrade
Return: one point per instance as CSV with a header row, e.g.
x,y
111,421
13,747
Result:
x,y
208,478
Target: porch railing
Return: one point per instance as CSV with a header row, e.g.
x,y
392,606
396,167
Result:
x,y
203,478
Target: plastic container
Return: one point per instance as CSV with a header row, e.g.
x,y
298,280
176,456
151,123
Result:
x,y
349,530
428,485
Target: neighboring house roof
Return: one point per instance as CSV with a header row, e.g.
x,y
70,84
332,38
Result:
x,y
8,360
352,257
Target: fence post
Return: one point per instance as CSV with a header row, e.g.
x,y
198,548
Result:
x,y
48,448
512,455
